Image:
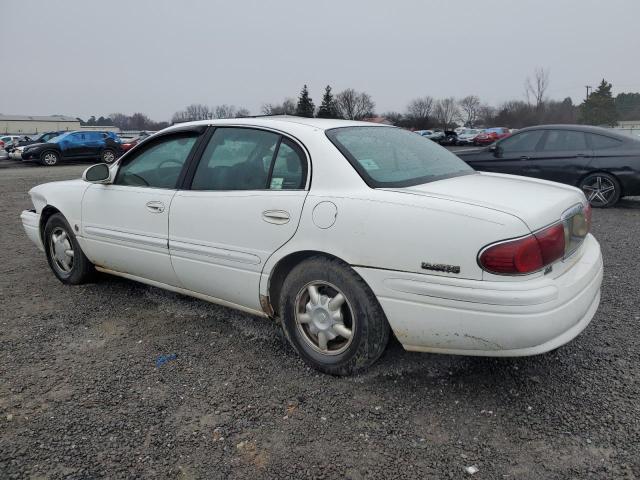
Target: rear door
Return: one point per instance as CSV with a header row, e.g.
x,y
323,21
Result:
x,y
563,156
243,203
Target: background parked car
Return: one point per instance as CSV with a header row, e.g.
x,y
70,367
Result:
x,y
129,143
435,135
450,138
467,136
491,135
6,140
15,150
105,146
604,164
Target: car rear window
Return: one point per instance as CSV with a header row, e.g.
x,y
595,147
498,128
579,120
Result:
x,y
392,157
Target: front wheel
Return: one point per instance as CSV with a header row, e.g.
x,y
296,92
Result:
x,y
331,317
601,189
65,257
108,156
50,158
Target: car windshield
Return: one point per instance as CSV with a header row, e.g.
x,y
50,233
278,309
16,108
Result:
x,y
393,157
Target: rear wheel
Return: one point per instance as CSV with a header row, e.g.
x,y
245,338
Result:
x,y
50,158
601,189
65,257
331,317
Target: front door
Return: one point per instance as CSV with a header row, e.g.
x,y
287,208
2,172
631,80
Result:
x,y
244,202
75,145
125,225
562,157
510,154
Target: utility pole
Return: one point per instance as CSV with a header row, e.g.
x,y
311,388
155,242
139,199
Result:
x,y
588,87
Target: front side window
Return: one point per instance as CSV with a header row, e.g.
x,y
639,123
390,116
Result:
x,y
564,140
392,157
249,159
521,142
159,164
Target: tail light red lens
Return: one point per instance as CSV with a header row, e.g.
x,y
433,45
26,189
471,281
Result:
x,y
525,255
534,252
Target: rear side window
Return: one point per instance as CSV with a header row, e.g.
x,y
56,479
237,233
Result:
x,y
600,142
392,157
249,159
565,140
159,164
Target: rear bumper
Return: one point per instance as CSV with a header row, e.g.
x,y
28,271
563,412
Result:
x,y
31,224
510,318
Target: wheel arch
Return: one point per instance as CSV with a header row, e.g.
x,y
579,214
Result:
x,y
47,212
280,271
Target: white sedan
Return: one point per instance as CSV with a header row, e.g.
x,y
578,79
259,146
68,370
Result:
x,y
343,231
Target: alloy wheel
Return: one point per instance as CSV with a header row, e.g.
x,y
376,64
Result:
x,y
50,158
324,318
108,156
61,250
599,191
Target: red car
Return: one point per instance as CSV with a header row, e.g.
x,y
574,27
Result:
x,y
130,143
490,135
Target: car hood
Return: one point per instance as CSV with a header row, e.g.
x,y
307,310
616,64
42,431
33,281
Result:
x,y
42,144
537,203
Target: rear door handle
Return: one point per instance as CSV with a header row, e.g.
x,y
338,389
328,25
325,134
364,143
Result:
x,y
278,217
524,157
155,207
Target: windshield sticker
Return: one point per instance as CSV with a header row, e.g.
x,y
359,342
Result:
x,y
369,164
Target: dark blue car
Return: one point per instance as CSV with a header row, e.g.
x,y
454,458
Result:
x,y
79,145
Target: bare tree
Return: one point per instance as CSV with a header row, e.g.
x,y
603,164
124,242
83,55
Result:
x,y
469,110
421,107
446,111
354,105
243,112
420,112
196,111
288,107
536,88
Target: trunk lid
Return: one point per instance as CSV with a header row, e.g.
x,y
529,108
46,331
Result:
x,y
537,203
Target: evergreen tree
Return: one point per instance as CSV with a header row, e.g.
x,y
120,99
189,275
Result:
x,y
305,107
328,107
600,107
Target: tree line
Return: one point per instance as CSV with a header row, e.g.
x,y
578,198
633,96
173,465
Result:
x,y
425,112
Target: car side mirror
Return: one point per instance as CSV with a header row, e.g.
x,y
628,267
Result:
x,y
99,173
495,149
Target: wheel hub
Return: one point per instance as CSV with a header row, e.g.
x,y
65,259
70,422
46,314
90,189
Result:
x,y
320,317
600,191
61,250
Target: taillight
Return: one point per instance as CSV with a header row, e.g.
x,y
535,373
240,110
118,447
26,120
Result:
x,y
534,252
525,255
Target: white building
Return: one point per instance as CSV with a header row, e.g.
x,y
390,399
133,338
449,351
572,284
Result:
x,y
29,125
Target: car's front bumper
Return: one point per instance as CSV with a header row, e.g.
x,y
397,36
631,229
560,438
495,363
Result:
x,y
31,224
489,318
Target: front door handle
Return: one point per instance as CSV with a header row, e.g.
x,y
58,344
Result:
x,y
524,157
279,217
155,207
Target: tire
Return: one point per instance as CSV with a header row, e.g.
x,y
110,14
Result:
x,y
601,189
355,329
77,269
49,158
108,156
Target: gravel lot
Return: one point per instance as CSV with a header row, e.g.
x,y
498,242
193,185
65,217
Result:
x,y
81,396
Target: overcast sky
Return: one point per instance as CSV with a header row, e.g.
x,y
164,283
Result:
x,y
83,58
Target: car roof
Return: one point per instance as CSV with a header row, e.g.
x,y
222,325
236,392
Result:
x,y
581,128
280,121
